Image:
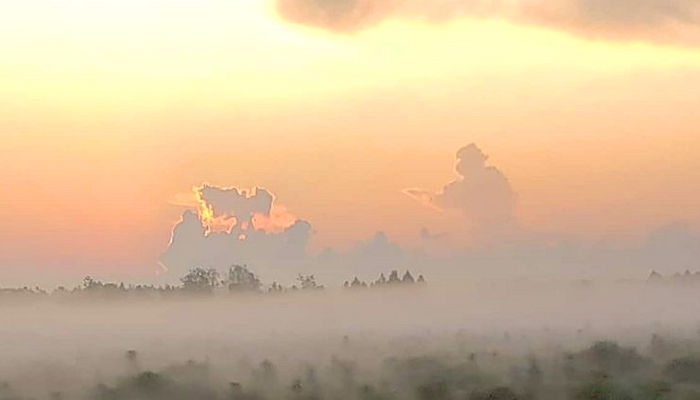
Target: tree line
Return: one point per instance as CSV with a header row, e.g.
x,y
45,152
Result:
x,y
204,281
383,281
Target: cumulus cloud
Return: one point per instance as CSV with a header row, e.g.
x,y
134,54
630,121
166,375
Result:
x,y
481,193
232,202
232,226
277,250
655,20
366,259
226,226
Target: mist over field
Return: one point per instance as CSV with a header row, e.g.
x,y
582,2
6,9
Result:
x,y
242,309
349,200
548,340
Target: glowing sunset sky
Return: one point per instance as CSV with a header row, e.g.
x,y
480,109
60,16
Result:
x,y
110,110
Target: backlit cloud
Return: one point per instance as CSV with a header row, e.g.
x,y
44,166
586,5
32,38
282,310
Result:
x,y
275,244
229,226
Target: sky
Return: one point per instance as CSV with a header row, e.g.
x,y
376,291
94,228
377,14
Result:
x,y
351,114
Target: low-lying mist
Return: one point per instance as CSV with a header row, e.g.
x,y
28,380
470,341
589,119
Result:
x,y
466,340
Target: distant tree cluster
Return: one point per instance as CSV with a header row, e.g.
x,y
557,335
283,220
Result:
x,y
382,281
91,287
240,279
686,277
200,281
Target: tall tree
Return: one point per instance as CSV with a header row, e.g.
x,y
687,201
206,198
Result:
x,y
240,279
201,280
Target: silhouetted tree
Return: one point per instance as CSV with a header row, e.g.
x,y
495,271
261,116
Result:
x,y
307,282
90,283
240,279
356,283
381,280
276,288
408,278
394,277
201,280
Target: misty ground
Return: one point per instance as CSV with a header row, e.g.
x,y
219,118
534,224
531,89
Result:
x,y
482,340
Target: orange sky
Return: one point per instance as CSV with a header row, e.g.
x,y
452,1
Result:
x,y
109,109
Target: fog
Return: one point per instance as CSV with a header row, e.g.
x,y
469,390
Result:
x,y
525,339
243,310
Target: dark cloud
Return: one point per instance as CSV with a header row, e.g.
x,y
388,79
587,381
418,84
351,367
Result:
x,y
654,20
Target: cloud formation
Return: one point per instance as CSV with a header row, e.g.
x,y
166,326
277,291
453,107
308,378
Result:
x,y
252,229
649,20
481,193
232,202
233,226
226,226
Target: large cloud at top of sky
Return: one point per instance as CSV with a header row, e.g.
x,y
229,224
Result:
x,y
647,20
